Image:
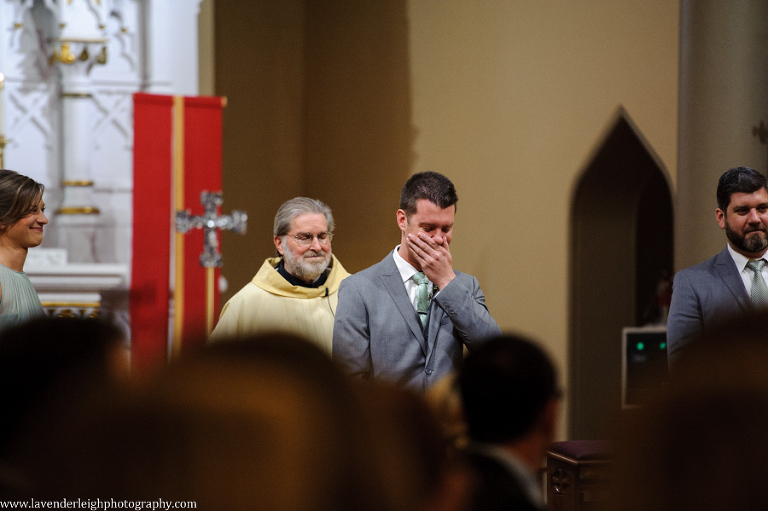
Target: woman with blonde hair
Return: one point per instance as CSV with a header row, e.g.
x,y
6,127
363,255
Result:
x,y
22,217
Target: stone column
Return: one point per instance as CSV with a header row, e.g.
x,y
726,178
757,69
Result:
x,y
76,47
723,96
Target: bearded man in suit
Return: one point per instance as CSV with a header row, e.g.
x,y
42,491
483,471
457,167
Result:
x,y
408,318
734,281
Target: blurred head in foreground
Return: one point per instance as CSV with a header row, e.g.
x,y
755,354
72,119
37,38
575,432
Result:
x,y
259,423
699,443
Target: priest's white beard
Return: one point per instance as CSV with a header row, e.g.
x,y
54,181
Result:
x,y
308,271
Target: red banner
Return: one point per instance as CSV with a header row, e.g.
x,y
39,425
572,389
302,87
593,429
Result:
x,y
152,210
202,171
177,155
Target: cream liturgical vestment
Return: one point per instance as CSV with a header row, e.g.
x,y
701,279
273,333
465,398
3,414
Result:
x,y
269,303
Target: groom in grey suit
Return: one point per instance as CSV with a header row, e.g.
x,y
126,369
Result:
x,y
729,283
386,327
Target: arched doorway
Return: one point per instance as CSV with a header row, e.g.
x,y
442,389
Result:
x,y
621,243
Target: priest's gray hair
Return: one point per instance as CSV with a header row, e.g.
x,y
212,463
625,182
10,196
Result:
x,y
300,206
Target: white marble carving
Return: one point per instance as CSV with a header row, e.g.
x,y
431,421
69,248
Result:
x,y
69,121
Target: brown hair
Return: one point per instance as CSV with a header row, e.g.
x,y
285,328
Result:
x,y
434,187
18,197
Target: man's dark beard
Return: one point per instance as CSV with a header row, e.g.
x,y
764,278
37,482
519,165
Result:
x,y
751,244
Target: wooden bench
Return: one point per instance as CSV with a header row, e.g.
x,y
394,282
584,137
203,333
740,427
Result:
x,y
578,475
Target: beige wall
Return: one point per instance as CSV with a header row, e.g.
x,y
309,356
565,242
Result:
x,y
318,105
343,100
723,76
357,121
206,48
509,99
259,68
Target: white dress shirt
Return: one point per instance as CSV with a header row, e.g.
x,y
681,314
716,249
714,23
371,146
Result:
x,y
746,273
407,271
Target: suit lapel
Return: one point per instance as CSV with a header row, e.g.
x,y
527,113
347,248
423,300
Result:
x,y
436,314
393,283
726,268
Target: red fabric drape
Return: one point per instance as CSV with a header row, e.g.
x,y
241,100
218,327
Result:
x,y
202,171
150,268
154,219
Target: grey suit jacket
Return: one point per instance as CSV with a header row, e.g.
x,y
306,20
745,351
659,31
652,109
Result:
x,y
377,333
702,296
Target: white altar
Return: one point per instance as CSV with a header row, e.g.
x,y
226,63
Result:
x,y
70,68
80,290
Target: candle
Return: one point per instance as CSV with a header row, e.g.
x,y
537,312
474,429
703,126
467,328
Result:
x,y
2,105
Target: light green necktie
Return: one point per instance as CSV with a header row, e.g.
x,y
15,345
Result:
x,y
422,300
759,293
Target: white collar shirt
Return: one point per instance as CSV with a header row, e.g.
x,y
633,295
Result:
x,y
744,272
407,271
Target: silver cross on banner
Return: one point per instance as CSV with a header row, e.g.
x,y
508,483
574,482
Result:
x,y
211,222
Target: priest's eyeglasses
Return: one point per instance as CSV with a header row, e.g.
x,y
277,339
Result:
x,y
305,238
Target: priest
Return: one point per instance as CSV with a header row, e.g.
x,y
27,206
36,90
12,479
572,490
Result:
x,y
297,291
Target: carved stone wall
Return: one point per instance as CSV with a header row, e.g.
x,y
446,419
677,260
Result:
x,y
71,68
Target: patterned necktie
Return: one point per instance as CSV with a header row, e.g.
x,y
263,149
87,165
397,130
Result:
x,y
759,293
422,300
